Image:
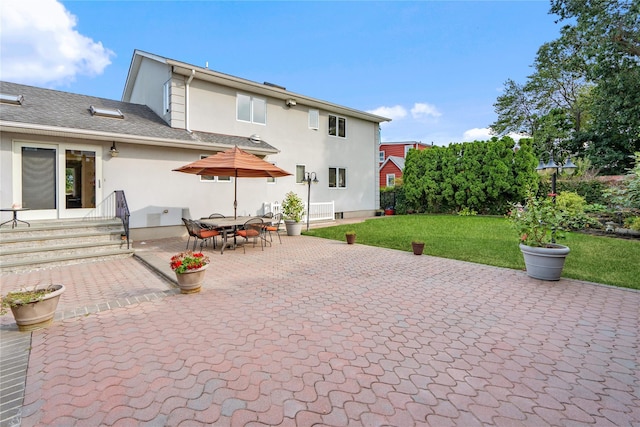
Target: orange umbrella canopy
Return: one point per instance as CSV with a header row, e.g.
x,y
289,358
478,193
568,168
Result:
x,y
236,163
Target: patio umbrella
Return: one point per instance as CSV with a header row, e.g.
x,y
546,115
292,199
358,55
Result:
x,y
236,163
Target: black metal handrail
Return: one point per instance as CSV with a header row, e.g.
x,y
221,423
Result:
x,y
122,212
113,206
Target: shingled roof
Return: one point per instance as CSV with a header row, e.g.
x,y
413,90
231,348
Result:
x,y
51,112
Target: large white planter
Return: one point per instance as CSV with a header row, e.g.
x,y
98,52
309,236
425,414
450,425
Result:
x,y
293,228
190,281
544,263
38,314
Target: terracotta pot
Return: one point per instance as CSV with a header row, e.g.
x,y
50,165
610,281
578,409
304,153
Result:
x,y
389,211
190,282
417,248
351,238
38,314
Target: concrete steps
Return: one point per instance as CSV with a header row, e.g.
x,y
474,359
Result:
x,y
60,242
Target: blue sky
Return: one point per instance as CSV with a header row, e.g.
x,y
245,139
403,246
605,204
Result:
x,y
434,67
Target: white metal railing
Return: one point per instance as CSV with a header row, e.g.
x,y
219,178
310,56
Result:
x,y
319,211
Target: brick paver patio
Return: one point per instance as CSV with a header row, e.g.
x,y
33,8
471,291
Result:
x,y
318,332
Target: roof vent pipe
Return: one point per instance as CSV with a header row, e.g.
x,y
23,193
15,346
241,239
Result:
x,y
186,101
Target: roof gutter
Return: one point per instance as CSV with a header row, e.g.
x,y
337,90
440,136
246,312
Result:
x,y
110,137
186,101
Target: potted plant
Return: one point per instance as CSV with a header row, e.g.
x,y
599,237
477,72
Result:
x,y
389,211
292,210
417,246
189,268
538,224
351,237
33,308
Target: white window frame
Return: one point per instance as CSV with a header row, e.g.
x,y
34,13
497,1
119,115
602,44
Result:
x,y
166,97
391,176
406,150
252,109
212,178
337,118
380,156
314,119
337,173
304,170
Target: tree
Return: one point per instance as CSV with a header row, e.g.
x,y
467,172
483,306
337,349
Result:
x,y
608,32
516,109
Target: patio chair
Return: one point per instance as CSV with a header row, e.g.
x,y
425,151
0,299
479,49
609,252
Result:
x,y
252,229
189,230
274,227
202,233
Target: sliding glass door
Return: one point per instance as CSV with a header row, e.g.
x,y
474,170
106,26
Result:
x,y
56,180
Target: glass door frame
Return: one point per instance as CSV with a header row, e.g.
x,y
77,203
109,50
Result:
x,y
61,148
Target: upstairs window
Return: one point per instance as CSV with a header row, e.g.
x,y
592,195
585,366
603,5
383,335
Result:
x,y
250,109
337,126
337,178
381,156
166,96
406,150
314,119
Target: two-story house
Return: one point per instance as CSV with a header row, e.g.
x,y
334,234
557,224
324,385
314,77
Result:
x,y
61,154
391,157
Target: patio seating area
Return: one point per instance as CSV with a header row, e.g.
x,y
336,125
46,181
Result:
x,y
327,333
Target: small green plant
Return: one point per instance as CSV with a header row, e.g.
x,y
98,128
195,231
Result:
x,y
633,223
350,233
417,242
292,207
538,223
467,212
26,296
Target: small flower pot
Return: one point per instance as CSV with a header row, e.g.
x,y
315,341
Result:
x,y
417,248
389,211
351,238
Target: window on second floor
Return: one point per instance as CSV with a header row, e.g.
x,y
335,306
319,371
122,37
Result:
x,y
381,156
300,170
314,119
337,178
406,150
250,109
337,126
166,96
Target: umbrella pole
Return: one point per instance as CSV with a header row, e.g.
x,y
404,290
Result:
x,y
235,196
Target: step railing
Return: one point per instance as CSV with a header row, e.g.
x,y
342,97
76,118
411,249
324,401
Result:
x,y
320,211
113,206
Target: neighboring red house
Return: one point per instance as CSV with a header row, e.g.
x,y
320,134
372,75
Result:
x,y
392,155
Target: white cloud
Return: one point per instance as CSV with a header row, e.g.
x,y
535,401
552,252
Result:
x,y
394,113
40,46
420,110
477,134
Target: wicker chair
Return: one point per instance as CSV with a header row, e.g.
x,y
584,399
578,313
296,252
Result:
x,y
252,229
202,233
274,227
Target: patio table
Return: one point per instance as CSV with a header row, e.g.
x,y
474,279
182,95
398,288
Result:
x,y
14,222
227,225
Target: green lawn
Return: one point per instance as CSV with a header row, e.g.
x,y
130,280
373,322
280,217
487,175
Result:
x,y
492,241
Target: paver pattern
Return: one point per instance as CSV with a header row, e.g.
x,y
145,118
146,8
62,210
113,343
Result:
x,y
318,332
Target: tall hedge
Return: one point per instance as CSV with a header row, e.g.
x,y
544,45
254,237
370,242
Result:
x,y
484,176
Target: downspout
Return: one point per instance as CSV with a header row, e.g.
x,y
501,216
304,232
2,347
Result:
x,y
186,101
